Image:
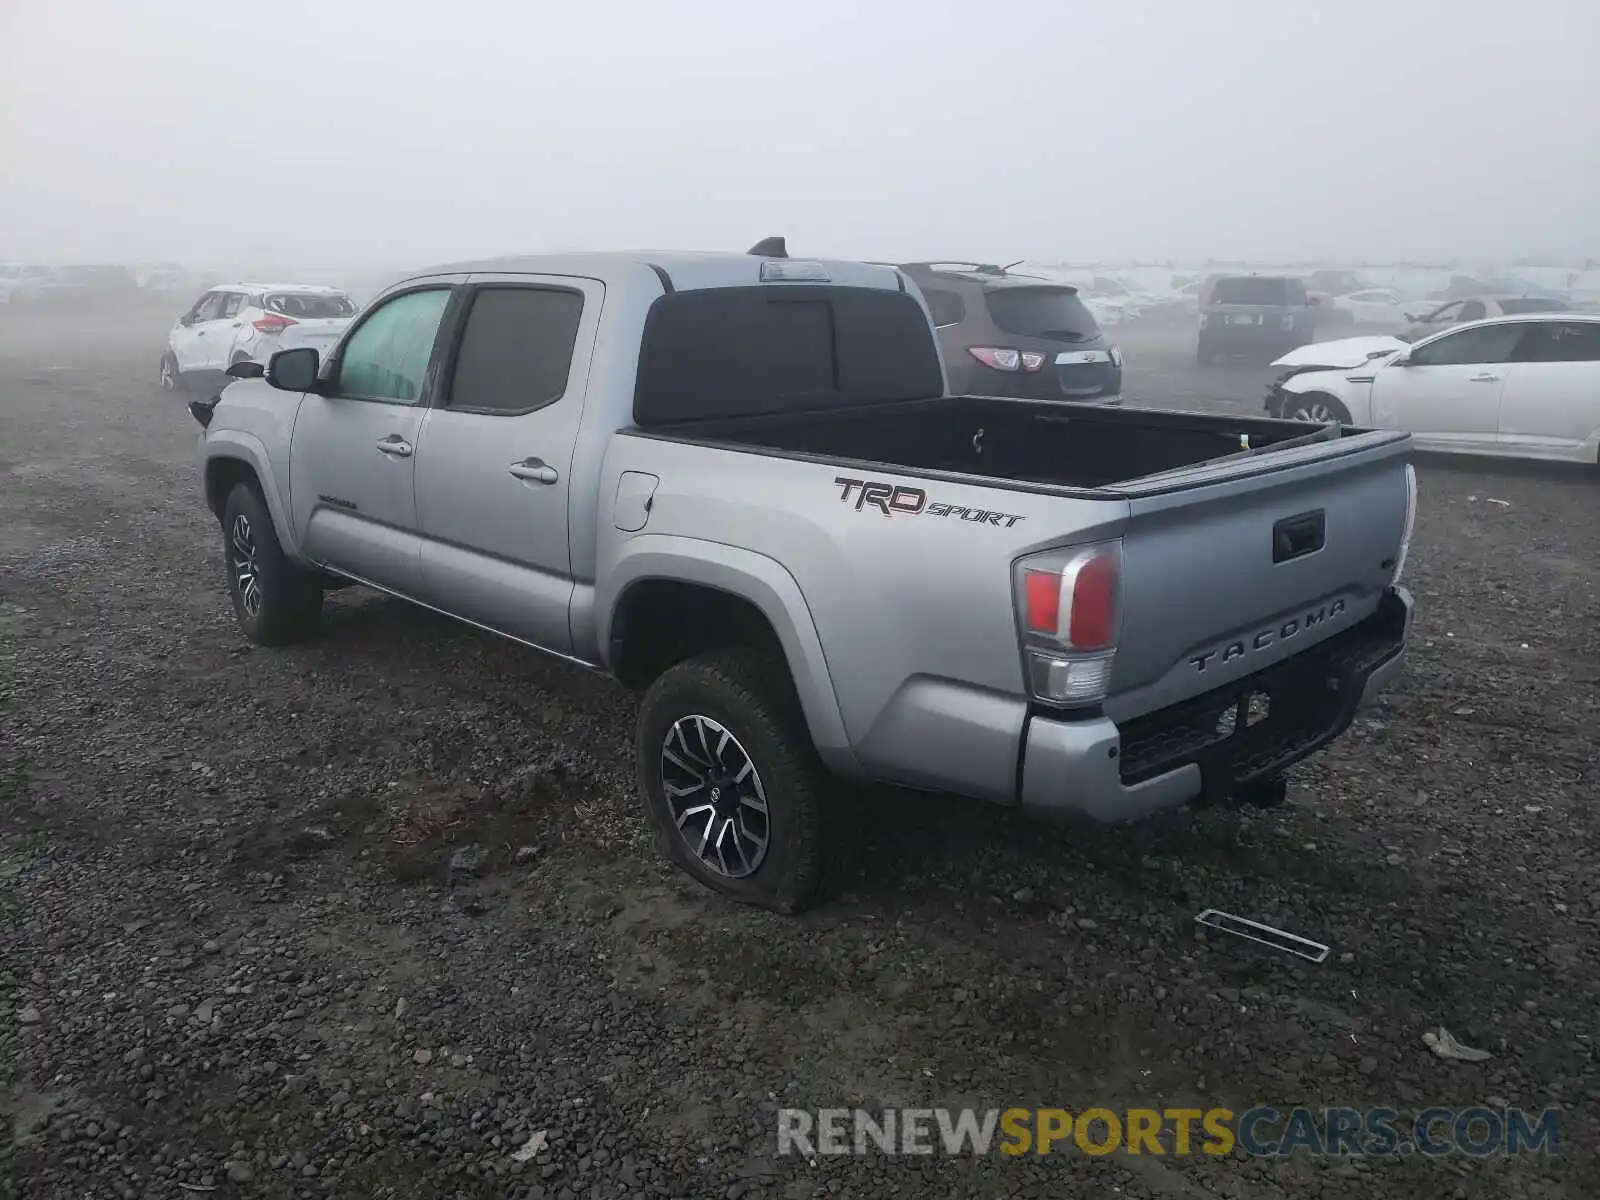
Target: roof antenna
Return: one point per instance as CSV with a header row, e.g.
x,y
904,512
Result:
x,y
772,247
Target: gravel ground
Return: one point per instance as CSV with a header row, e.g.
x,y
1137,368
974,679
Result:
x,y
362,917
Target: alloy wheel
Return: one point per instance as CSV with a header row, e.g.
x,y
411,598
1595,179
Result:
x,y
715,796
1314,411
245,573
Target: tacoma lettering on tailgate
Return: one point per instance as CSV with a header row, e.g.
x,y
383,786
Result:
x,y
1268,637
893,499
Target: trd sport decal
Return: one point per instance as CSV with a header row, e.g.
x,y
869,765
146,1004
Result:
x,y
897,500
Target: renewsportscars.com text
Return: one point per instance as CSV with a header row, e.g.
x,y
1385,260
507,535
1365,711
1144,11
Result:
x,y
1259,1132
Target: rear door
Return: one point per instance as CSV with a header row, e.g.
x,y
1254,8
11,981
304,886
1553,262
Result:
x,y
222,333
1447,393
353,451
1551,401
495,471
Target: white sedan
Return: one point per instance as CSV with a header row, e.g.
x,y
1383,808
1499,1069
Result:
x,y
238,321
1374,306
1520,387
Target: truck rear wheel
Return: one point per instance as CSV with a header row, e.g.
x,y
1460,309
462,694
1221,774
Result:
x,y
276,602
731,784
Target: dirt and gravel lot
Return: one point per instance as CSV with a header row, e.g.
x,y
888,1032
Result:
x,y
361,917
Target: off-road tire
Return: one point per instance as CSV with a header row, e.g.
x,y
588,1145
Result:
x,y
749,692
287,605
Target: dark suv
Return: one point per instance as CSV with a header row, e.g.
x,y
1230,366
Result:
x,y
1017,335
1256,315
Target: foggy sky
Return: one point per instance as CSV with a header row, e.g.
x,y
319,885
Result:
x,y
360,131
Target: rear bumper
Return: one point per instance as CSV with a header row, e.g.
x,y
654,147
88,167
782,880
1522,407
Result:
x,y
1187,752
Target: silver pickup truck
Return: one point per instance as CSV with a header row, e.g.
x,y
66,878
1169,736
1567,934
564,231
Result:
x,y
737,483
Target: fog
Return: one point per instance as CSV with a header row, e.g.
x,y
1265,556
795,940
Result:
x,y
359,132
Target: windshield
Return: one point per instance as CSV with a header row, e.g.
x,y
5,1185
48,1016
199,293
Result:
x,y
1269,291
1047,312
302,305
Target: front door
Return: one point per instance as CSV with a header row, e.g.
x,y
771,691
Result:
x,y
189,338
494,473
1551,404
352,455
1447,393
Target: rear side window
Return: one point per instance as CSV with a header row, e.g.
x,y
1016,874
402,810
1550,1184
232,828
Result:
x,y
1266,291
516,349
946,308
1560,341
1531,304
304,306
1047,312
743,351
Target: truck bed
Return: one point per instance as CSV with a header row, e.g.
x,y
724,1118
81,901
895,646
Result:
x,y
1022,441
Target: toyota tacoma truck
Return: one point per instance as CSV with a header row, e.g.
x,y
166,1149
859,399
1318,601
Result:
x,y
740,485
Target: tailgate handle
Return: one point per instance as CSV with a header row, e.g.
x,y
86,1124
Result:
x,y
1297,536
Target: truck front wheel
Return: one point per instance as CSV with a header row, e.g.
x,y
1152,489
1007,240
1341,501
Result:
x,y
731,784
276,602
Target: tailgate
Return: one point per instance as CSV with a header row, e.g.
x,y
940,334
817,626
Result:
x,y
1231,568
320,333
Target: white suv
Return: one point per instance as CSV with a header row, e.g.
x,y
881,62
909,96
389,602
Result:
x,y
238,321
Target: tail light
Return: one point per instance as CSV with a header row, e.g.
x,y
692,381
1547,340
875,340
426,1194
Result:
x,y
1069,607
1001,359
273,323
1411,520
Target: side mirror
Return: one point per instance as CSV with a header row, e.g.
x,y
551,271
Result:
x,y
186,320
293,370
246,368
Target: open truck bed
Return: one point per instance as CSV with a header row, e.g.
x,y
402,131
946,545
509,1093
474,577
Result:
x,y
1074,446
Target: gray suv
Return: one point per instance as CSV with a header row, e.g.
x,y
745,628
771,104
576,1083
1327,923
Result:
x,y
1017,335
1257,315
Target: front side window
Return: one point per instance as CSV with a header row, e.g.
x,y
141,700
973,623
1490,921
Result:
x,y
1483,344
208,307
231,303
516,349
387,357
1473,310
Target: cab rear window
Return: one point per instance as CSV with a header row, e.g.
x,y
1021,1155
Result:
x,y
741,351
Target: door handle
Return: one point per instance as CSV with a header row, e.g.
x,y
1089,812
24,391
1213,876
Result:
x,y
1484,379
536,470
395,446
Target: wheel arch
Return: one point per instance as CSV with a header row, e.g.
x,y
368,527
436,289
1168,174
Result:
x,y
234,457
669,598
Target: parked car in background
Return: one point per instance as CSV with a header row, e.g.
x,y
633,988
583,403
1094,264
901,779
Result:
x,y
1524,386
1374,306
1254,315
1017,335
75,285
241,322
1475,308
